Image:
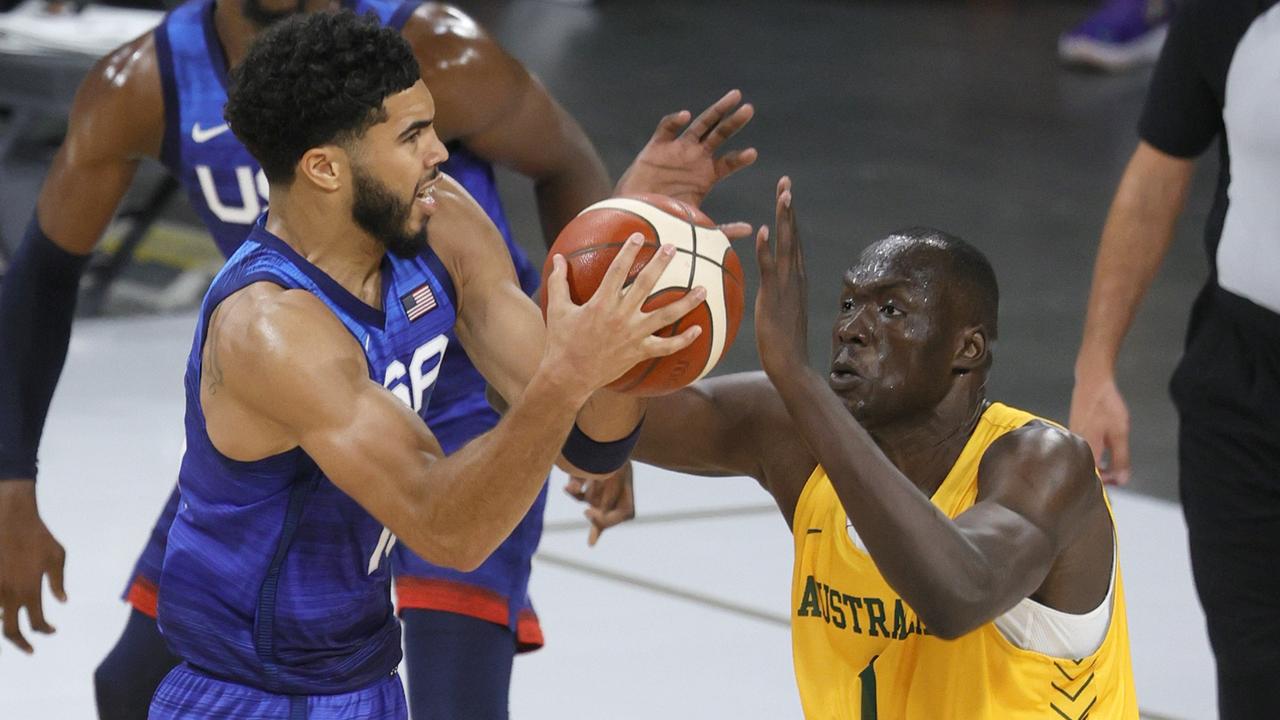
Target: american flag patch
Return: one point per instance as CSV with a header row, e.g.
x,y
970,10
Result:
x,y
419,302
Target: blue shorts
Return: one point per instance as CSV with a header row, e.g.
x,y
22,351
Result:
x,y
188,694
496,592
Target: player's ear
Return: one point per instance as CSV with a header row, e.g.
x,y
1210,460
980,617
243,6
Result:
x,y
974,352
325,167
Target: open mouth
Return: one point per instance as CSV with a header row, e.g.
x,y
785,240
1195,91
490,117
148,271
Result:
x,y
843,379
844,372
425,197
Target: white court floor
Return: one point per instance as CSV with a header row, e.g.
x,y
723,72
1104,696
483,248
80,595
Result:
x,y
669,617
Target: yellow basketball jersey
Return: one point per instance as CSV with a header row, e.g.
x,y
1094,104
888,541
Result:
x,y
861,652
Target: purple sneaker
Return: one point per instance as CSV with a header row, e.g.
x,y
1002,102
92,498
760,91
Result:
x,y
1119,35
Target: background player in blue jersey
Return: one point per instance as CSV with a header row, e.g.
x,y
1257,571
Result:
x,y
301,467
161,97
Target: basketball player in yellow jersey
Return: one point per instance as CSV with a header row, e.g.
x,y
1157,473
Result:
x,y
955,557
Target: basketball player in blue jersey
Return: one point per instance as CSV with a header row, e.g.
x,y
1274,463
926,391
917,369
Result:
x,y
161,97
314,358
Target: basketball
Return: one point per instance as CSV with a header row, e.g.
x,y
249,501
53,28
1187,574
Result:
x,y
703,257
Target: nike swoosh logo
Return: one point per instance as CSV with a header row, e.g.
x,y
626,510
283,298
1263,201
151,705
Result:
x,y
202,135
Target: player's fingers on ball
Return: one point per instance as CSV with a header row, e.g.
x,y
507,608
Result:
x,y
558,282
616,276
661,347
667,314
649,275
732,162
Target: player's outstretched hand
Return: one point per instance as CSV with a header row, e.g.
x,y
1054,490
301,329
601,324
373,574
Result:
x,y
1100,416
28,552
596,342
611,500
781,322
680,159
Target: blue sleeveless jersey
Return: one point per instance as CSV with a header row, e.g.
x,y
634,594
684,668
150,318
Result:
x,y
273,577
226,187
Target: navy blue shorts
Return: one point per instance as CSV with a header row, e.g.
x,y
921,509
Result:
x,y
188,694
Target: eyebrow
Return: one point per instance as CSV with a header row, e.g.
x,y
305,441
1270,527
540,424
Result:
x,y
415,125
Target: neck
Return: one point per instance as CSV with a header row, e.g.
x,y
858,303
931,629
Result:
x,y
333,243
236,32
925,446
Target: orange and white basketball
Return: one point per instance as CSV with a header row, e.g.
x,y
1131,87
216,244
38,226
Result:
x,y
703,257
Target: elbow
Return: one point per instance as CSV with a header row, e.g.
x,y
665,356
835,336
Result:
x,y
960,610
465,562
454,553
947,624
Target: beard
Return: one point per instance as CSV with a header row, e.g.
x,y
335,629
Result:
x,y
384,216
255,13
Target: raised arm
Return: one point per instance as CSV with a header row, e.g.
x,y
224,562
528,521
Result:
x,y
503,329
1134,241
116,119
268,349
1037,491
490,102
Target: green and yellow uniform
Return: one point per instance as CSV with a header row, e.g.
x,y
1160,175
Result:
x,y
861,652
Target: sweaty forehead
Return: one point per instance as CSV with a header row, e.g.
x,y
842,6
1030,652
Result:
x,y
916,263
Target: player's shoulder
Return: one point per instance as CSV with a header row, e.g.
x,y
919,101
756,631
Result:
x,y
131,69
271,326
473,79
1042,457
120,102
461,233
448,38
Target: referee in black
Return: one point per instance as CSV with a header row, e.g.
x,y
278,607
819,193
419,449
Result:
x,y
1218,78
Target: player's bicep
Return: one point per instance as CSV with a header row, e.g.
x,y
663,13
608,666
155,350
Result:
x,y
1036,486
377,452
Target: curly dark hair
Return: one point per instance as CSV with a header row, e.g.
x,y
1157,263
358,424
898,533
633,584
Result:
x,y
314,79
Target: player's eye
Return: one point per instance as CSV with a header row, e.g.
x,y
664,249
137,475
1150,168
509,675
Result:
x,y
413,137
846,305
890,310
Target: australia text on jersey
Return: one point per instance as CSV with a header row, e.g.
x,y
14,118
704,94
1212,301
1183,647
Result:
x,y
861,615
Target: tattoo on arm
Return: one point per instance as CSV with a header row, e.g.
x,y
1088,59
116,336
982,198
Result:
x,y
211,371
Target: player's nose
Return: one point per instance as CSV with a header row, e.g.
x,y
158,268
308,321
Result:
x,y
853,329
436,154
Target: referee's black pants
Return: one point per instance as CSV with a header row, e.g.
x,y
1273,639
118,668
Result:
x,y
1227,390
